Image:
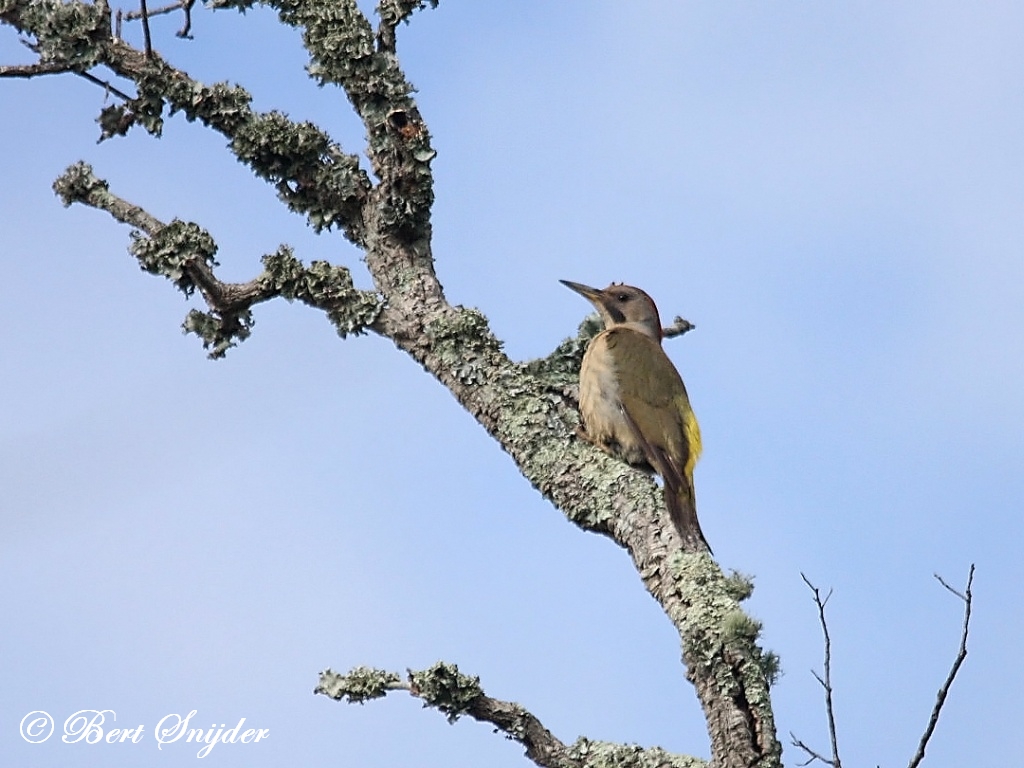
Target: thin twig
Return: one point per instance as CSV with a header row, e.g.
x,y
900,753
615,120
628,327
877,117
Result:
x,y
169,8
186,28
105,85
812,755
184,5
55,68
961,655
826,683
678,328
144,15
33,70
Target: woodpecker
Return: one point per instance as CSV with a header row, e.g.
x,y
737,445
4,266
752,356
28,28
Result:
x,y
633,402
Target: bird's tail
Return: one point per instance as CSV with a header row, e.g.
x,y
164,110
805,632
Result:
x,y
678,484
682,509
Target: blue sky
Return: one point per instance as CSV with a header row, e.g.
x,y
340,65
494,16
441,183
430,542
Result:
x,y
834,195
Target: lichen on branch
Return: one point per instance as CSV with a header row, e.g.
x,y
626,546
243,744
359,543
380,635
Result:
x,y
184,253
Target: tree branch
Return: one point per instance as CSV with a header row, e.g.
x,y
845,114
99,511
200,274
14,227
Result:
x,y
34,70
184,254
454,694
144,15
310,172
341,45
826,684
183,5
392,13
678,328
811,754
961,656
444,688
105,85
55,68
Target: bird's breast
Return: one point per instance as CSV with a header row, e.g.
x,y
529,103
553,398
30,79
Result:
x,y
601,404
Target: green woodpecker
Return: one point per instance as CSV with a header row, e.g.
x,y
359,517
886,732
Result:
x,y
633,403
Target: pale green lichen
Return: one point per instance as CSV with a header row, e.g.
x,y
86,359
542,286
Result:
x,y
603,754
67,33
738,626
77,183
166,251
391,12
359,685
443,687
463,341
219,333
739,585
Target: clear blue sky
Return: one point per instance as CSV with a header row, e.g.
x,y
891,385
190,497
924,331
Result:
x,y
832,192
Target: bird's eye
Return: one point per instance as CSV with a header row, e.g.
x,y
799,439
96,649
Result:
x,y
623,297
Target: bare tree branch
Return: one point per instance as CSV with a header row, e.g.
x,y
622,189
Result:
x,y
961,655
57,68
826,684
105,85
144,15
169,8
678,328
183,5
186,27
812,755
34,70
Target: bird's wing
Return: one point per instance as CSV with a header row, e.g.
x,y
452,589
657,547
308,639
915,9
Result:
x,y
653,401
657,410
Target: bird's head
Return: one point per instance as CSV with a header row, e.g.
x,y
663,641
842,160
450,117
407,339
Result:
x,y
622,305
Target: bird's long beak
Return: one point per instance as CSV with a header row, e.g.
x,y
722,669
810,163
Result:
x,y
591,294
